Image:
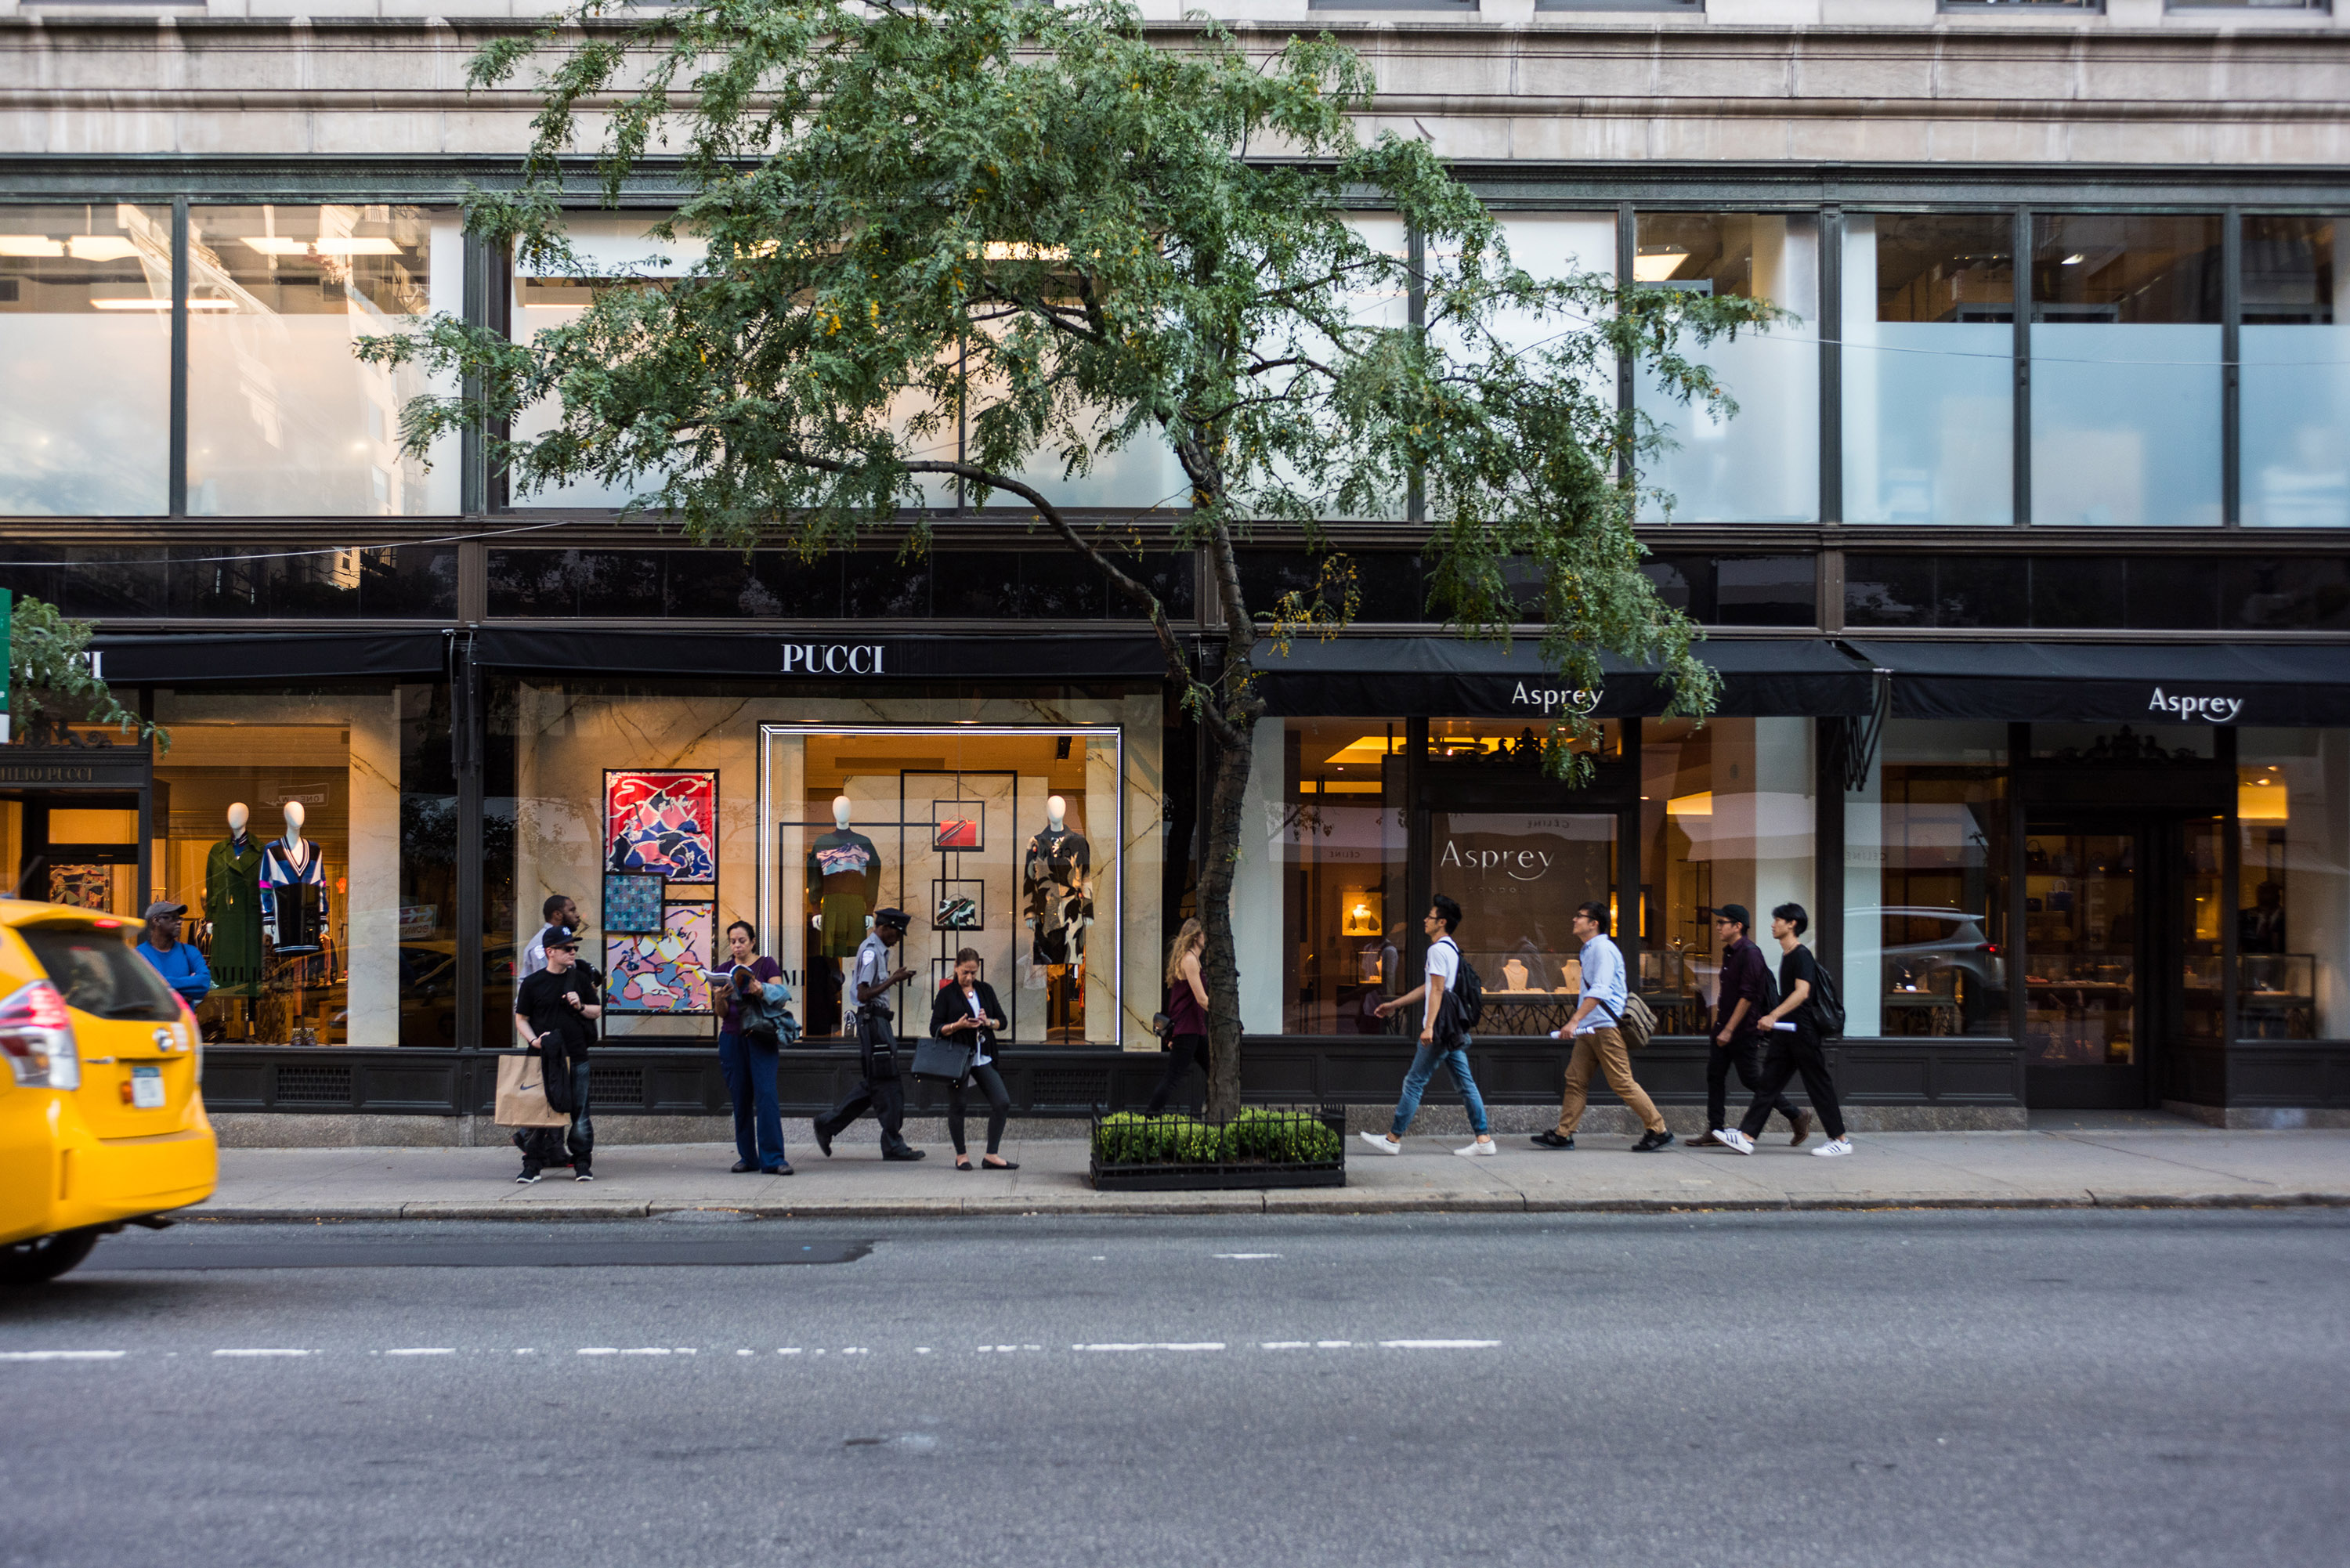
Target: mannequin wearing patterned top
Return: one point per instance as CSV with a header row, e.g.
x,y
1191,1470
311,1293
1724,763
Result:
x,y
294,888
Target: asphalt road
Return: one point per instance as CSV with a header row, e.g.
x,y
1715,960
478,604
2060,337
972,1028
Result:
x,y
2150,1389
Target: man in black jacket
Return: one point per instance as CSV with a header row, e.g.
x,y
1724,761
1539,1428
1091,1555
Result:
x,y
554,1013
1744,996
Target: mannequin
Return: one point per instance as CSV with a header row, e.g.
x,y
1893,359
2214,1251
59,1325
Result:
x,y
294,888
844,887
1059,909
232,910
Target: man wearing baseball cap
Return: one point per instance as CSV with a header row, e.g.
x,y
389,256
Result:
x,y
181,965
882,1092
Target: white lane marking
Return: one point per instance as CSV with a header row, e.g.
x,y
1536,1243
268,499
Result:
x,y
599,1350
261,1353
1287,1345
1205,1344
1244,1257
528,1350
921,1350
1438,1344
789,1350
743,1353
1333,1344
648,1350
424,1350
62,1354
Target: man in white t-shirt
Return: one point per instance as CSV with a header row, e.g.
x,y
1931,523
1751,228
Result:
x,y
1442,1036
880,1090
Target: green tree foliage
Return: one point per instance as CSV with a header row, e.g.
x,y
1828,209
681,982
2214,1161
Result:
x,y
49,678
974,241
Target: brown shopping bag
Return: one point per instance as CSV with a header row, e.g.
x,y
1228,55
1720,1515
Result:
x,y
522,1096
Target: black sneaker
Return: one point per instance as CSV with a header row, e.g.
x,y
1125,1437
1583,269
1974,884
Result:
x,y
823,1138
1552,1140
904,1152
526,1178
1651,1142
579,1173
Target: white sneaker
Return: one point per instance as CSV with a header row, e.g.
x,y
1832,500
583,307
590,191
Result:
x,y
1832,1147
1484,1145
1733,1140
1383,1143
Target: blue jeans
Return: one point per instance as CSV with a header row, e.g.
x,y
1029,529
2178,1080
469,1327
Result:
x,y
751,1083
1423,1068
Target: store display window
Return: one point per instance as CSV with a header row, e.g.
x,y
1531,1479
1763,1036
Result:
x,y
1002,839
1346,931
278,822
2292,885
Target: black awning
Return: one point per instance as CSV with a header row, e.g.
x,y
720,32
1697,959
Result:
x,y
2105,682
192,659
820,655
1442,676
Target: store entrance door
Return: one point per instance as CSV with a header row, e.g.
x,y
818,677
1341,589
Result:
x,y
2122,953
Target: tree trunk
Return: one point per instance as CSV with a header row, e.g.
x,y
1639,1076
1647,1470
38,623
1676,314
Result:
x,y
1226,843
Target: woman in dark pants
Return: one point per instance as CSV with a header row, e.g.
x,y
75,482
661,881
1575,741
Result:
x,y
966,1008
1186,1012
749,1067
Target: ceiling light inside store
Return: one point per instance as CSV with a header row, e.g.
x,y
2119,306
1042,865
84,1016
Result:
x,y
161,305
1698,805
2076,259
30,245
1657,264
331,245
1368,749
100,247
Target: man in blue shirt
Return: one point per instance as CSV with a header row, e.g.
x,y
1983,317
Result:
x,y
181,965
1599,1040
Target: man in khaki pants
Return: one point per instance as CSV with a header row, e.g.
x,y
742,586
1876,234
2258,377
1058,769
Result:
x,y
1599,1041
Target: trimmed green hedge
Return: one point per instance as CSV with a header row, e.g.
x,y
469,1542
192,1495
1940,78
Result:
x,y
1130,1138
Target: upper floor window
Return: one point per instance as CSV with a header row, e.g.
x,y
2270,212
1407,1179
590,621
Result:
x,y
2296,354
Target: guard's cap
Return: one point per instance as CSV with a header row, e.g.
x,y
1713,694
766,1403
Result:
x,y
891,917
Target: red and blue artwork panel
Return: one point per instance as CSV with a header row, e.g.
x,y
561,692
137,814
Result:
x,y
663,821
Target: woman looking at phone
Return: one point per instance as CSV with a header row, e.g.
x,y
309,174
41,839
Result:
x,y
966,1010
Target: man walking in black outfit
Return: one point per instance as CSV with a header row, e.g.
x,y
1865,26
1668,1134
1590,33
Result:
x,y
882,1092
1738,1010
555,1012
1793,1031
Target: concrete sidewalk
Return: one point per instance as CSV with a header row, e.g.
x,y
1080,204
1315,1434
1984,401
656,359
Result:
x,y
2076,1163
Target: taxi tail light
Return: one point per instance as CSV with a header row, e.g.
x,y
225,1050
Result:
x,y
37,1036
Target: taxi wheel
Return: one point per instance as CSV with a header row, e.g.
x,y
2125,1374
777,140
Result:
x,y
44,1257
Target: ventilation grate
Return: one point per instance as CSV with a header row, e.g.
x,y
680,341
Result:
x,y
615,1085
302,1085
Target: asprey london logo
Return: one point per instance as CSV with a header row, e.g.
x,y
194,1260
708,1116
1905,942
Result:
x,y
1551,699
2216,710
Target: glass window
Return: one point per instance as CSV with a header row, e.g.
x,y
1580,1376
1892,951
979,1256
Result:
x,y
2293,894
1762,466
86,333
2296,377
2125,379
1346,934
305,948
1929,368
1925,883
1726,817
283,418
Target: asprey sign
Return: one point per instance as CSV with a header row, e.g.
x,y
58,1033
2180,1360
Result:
x,y
2216,710
833,659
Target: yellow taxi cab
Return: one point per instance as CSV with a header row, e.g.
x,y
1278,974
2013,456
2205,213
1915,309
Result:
x,y
102,1123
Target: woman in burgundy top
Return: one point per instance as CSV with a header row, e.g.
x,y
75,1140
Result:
x,y
749,1066
1186,1012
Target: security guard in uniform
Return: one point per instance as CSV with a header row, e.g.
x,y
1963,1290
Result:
x,y
882,1092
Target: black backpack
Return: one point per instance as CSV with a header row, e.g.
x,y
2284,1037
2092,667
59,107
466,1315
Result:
x,y
1466,991
1826,1001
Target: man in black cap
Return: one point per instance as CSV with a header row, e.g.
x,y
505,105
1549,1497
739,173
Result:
x,y
555,1012
1746,993
882,1092
181,965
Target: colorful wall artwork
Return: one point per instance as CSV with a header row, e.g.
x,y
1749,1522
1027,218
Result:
x,y
663,821
666,970
633,902
80,887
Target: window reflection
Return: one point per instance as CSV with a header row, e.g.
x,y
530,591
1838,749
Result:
x,y
2296,377
86,334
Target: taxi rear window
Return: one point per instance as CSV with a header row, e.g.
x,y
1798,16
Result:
x,y
99,974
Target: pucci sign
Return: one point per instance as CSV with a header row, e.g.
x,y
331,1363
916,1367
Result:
x,y
1548,699
2211,709
833,659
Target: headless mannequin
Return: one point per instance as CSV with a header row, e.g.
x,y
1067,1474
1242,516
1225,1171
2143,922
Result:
x,y
844,876
294,906
232,923
1054,882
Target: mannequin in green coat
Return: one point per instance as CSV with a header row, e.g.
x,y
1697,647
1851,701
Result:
x,y
233,904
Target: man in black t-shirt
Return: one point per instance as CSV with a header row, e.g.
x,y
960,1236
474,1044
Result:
x,y
1790,1035
555,1012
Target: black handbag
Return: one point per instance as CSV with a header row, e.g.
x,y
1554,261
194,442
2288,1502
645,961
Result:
x,y
947,1061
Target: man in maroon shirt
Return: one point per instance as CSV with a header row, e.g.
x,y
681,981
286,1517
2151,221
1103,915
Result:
x,y
1744,997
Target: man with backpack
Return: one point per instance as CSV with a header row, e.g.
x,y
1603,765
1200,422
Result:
x,y
1451,1000
1599,1028
1809,1011
1744,995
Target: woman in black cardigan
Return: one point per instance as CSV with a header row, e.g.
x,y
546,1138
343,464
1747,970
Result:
x,y
966,1008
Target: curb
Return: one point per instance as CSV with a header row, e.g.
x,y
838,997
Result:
x,y
1257,1202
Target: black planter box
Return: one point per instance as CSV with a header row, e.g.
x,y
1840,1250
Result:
x,y
1169,1175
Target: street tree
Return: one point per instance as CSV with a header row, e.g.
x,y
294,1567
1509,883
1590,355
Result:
x,y
50,681
990,243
